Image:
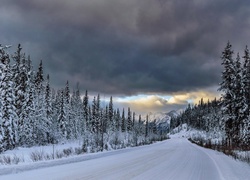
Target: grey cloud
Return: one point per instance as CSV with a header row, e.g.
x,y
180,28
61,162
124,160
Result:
x,y
127,47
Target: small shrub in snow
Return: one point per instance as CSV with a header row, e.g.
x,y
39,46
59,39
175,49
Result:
x,y
37,156
48,156
6,160
16,159
68,152
78,151
59,154
84,147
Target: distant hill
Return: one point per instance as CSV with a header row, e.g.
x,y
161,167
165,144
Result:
x,y
162,119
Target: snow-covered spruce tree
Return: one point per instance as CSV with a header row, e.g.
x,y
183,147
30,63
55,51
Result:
x,y
146,127
26,134
227,87
98,114
123,125
246,93
95,126
111,119
129,121
105,124
41,123
8,115
98,123
239,101
56,99
85,110
90,119
39,79
94,116
50,138
246,77
118,120
62,122
133,120
69,121
75,125
79,112
18,84
20,87
137,130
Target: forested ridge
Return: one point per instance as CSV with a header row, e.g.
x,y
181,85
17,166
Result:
x,y
34,113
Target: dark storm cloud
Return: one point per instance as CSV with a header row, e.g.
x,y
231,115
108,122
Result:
x,y
127,47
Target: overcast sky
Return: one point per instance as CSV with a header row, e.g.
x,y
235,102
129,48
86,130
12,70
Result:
x,y
149,54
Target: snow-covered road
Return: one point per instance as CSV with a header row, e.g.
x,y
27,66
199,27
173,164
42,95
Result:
x,y
174,159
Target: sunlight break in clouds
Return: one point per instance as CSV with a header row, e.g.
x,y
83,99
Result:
x,y
146,101
144,104
192,97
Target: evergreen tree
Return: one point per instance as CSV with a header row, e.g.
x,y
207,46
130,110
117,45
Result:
x,y
240,105
227,87
85,110
147,127
8,111
118,120
48,112
129,120
94,117
62,117
39,78
69,121
111,111
123,121
133,120
246,95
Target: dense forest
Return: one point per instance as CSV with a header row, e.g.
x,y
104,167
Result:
x,y
34,113
229,116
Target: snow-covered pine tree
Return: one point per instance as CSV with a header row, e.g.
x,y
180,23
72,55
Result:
x,y
227,87
133,120
146,127
118,120
123,121
20,86
239,101
111,111
69,121
98,113
246,76
129,121
48,111
26,132
79,111
246,94
85,110
94,127
75,125
8,115
62,117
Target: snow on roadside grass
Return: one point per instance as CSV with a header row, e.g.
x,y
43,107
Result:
x,y
48,152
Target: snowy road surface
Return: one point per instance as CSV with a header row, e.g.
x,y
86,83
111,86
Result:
x,y
174,159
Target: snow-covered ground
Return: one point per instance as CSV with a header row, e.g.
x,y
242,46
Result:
x,y
173,159
25,153
187,132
